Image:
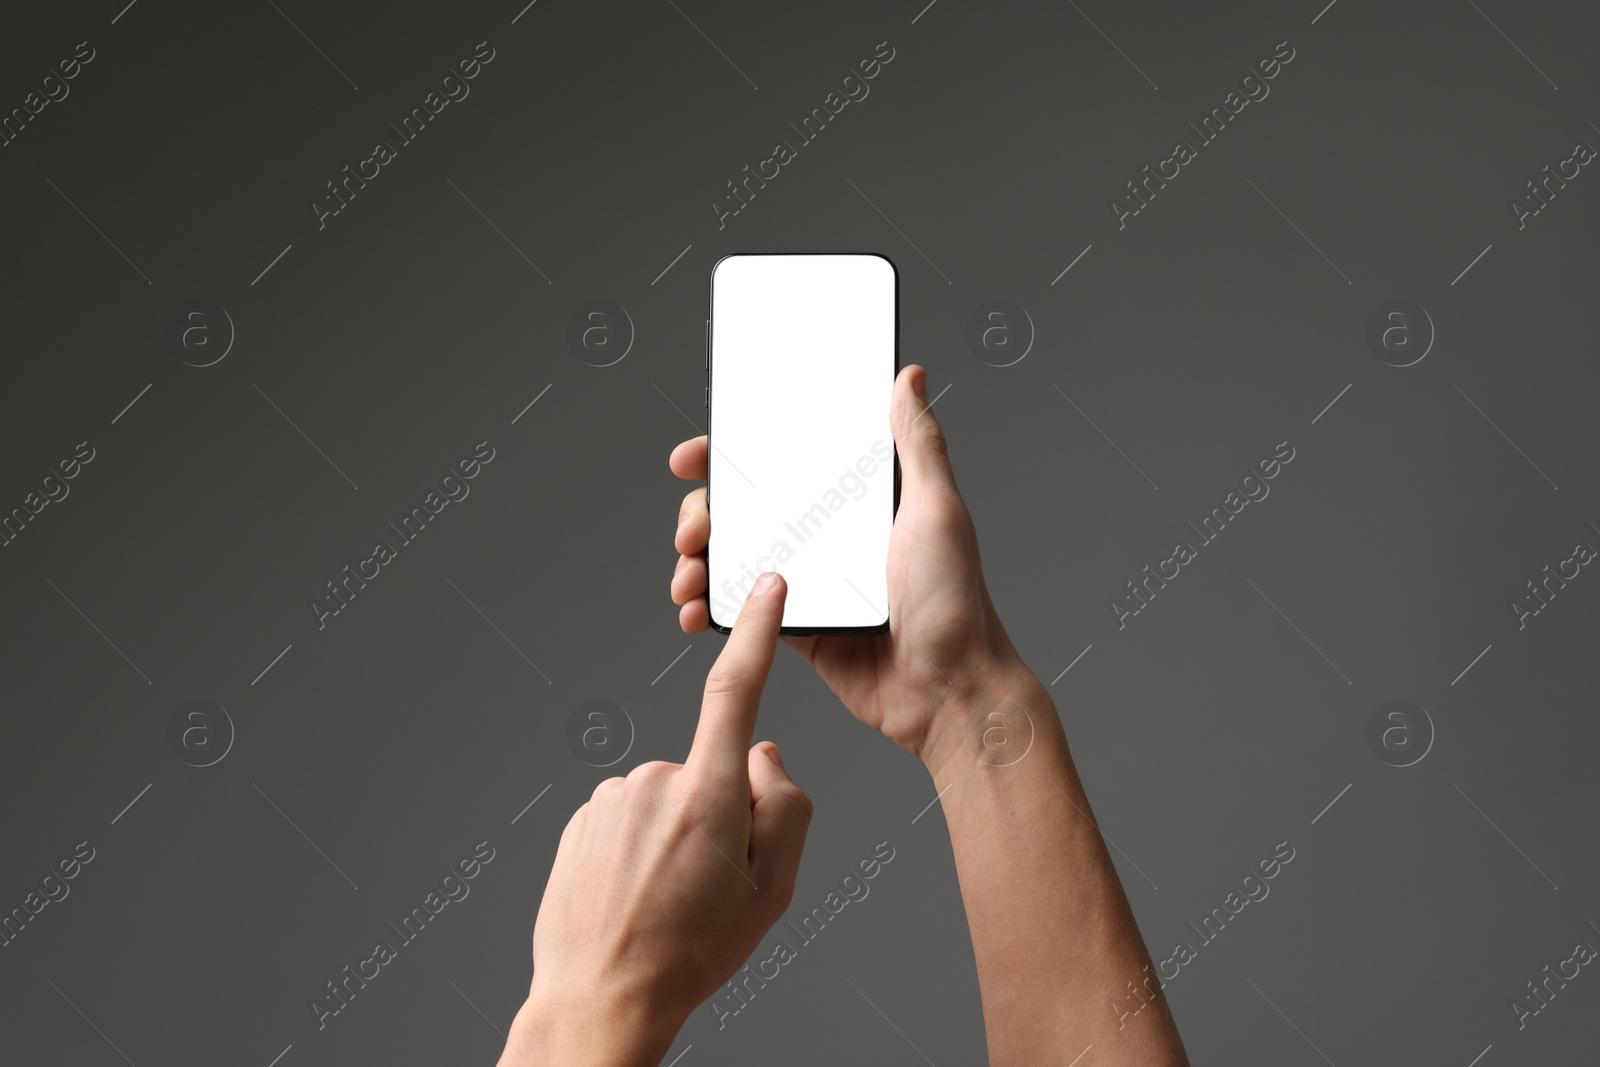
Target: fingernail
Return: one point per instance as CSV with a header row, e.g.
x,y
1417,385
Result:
x,y
772,754
764,584
919,385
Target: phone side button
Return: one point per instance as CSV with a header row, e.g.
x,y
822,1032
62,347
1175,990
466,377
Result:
x,y
708,344
708,398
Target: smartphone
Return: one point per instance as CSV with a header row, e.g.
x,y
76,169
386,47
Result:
x,y
801,356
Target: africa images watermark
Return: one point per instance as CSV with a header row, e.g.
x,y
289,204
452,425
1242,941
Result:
x,y
455,90
805,526
1542,991
53,889
55,489
810,128
1253,888
1255,89
1254,489
341,591
1541,594
55,89
1542,190
737,994
453,889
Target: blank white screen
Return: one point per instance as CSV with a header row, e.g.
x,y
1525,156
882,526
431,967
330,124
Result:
x,y
802,458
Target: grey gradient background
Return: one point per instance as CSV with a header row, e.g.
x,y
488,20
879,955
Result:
x,y
412,327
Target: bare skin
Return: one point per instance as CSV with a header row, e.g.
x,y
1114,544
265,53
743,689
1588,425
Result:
x,y
666,880
1061,966
1056,943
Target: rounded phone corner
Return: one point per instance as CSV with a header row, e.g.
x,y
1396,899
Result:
x,y
723,259
894,268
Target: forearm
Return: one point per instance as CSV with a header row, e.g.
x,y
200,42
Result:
x,y
1061,964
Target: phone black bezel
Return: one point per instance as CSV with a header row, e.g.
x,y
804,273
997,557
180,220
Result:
x,y
795,631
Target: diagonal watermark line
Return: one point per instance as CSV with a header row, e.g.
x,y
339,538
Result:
x,y
1290,1021
524,11
710,842
931,803
1502,433
687,419
531,803
501,632
271,665
1102,433
121,13
313,44
1324,11
1479,1056
1108,840
674,662
492,1026
1502,833
101,232
901,232
99,631
280,1056
890,1021
302,433
1081,1055
1074,263
90,1021
501,232
532,402
1474,262
302,833
1299,631
475,1008
674,262
1301,232
1473,664
1331,803
1073,664
924,11
713,44
685,1051
274,263
701,429
1513,44
929,406
1332,402
131,803
132,402
1113,44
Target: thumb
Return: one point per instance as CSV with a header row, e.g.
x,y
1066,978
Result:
x,y
780,817
924,458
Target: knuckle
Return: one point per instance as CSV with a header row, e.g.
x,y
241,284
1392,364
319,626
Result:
x,y
724,679
693,503
651,771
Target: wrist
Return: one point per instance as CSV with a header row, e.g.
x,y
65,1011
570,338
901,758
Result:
x,y
995,716
589,1028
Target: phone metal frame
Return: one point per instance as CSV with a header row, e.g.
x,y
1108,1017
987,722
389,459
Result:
x,y
795,631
